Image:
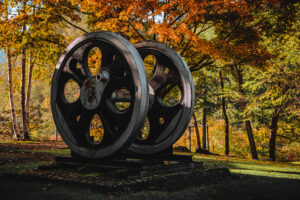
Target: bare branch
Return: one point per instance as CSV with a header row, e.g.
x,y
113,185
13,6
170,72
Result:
x,y
178,17
70,23
197,67
137,32
286,137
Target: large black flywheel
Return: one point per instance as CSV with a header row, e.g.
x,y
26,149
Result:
x,y
99,95
171,98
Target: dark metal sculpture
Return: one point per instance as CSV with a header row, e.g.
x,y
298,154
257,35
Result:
x,y
168,116
121,67
120,95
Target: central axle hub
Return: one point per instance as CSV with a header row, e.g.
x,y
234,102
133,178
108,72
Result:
x,y
92,90
90,94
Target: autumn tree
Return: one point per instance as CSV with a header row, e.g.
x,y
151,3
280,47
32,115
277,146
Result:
x,y
34,33
276,89
5,41
224,114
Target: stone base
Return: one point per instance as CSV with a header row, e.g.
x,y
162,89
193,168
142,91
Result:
x,y
170,172
117,182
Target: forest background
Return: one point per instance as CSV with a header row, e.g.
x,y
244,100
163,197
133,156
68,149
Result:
x,y
243,55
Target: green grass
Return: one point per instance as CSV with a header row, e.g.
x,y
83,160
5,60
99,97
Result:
x,y
252,167
54,152
295,163
18,142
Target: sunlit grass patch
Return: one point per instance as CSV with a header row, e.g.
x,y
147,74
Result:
x,y
54,152
295,163
252,167
19,142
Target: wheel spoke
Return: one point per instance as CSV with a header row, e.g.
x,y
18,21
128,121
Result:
x,y
70,110
118,82
69,113
71,71
81,56
159,77
170,116
115,121
83,125
118,61
76,71
119,69
163,91
162,120
107,56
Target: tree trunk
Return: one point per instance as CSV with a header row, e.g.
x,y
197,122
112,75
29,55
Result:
x,y
225,117
207,138
204,140
204,145
190,138
27,102
251,139
23,80
16,129
197,131
272,141
23,109
239,78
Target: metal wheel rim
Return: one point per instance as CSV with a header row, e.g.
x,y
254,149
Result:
x,y
187,101
139,106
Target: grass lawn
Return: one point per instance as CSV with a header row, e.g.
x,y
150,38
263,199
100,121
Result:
x,y
252,167
252,180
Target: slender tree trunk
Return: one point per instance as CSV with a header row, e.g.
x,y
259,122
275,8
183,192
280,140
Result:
x,y
23,97
197,131
23,81
204,140
27,102
225,117
16,129
204,145
239,77
251,139
207,138
273,133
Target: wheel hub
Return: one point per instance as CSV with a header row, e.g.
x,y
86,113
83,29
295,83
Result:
x,y
92,90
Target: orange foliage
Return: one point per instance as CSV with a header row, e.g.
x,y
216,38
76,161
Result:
x,y
176,22
53,137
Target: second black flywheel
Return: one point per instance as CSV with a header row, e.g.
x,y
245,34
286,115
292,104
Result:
x,y
171,98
